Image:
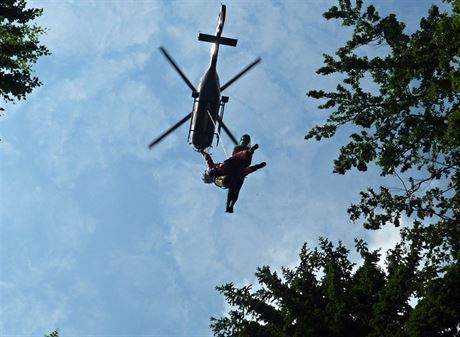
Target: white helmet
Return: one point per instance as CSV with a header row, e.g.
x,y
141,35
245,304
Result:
x,y
207,177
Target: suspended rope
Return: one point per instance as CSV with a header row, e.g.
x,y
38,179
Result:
x,y
218,134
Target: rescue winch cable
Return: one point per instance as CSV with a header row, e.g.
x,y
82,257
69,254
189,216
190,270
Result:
x,y
218,134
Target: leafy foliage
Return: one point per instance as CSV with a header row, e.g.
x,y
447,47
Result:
x,y
20,49
407,123
327,295
409,126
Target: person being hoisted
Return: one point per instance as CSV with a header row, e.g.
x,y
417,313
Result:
x,y
235,184
231,173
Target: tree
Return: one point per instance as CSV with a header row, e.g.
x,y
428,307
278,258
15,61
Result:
x,y
409,126
19,49
323,297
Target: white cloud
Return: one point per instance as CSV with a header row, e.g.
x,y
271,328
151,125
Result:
x,y
88,28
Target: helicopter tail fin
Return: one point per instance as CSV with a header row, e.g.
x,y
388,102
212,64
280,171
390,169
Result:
x,y
217,39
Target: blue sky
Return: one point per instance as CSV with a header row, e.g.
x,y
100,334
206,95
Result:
x,y
101,237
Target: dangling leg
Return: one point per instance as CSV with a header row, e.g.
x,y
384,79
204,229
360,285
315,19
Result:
x,y
233,193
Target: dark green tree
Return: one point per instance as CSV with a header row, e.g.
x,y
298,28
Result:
x,y
326,295
407,124
19,49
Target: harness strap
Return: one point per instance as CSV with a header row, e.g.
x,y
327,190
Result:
x,y
219,182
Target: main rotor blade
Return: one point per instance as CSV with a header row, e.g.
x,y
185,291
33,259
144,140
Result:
x,y
227,131
174,127
170,59
242,72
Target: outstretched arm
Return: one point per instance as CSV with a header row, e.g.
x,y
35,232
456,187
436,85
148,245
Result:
x,y
208,159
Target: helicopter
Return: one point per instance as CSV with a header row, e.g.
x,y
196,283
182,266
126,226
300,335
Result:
x,y
208,104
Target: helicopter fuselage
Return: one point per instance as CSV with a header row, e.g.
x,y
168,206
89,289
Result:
x,y
205,111
206,107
